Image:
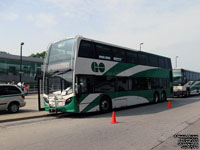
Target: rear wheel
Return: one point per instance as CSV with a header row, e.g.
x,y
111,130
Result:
x,y
13,108
156,98
105,104
163,96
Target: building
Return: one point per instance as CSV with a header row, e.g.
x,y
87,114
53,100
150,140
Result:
x,y
10,68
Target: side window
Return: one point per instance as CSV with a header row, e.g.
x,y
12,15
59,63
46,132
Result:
x,y
3,90
168,63
13,90
187,75
103,52
122,84
143,59
154,83
143,83
132,57
86,49
104,84
161,62
162,83
191,76
196,76
140,84
86,83
118,54
153,61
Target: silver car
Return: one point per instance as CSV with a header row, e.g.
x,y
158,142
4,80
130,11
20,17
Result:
x,y
11,98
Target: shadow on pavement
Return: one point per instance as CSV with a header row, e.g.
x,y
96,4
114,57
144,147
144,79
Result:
x,y
4,112
140,109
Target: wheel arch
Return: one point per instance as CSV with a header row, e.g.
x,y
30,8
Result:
x,y
14,102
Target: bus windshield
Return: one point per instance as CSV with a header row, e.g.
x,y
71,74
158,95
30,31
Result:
x,y
59,68
177,78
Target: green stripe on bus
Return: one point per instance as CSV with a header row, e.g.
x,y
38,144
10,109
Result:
x,y
82,97
91,105
153,73
119,67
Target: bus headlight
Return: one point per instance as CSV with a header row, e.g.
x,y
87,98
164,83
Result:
x,y
68,101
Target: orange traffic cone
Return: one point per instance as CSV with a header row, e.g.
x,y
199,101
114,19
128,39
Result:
x,y
169,104
113,118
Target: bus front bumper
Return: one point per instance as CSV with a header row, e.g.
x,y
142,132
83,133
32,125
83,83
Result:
x,y
179,93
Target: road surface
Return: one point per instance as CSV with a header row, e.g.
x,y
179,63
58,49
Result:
x,y
141,127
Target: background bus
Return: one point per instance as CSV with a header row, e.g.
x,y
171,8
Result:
x,y
186,82
85,75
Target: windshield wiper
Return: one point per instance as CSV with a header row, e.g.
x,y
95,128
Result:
x,y
58,72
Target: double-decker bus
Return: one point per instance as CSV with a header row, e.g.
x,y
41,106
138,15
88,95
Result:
x,y
85,75
186,82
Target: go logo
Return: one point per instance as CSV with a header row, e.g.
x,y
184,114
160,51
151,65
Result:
x,y
97,68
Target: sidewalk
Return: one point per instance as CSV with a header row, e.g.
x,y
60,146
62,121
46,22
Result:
x,y
22,115
30,111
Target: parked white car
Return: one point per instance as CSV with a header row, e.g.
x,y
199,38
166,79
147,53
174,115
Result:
x,y
11,98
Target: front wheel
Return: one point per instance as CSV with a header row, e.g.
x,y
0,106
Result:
x,y
105,105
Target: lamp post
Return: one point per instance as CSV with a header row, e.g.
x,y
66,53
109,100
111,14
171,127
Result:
x,y
20,73
176,61
141,45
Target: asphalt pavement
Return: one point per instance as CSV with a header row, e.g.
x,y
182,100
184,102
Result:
x,y
188,138
178,141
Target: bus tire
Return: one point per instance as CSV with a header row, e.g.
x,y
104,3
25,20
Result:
x,y
155,97
105,104
163,96
188,93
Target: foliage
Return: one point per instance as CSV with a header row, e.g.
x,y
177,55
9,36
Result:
x,y
39,55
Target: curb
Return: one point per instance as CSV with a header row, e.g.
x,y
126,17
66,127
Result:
x,y
26,118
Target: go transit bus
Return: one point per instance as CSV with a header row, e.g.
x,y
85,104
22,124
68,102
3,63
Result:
x,y
84,75
186,82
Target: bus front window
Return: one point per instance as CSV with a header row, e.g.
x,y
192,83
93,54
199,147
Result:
x,y
58,84
177,78
58,75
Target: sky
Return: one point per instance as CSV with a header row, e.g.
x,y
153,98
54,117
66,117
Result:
x,y
169,27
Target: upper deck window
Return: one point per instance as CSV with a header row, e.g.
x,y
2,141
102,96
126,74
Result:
x,y
103,52
132,57
86,49
118,54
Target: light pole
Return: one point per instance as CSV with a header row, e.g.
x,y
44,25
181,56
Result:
x,y
20,73
141,45
176,61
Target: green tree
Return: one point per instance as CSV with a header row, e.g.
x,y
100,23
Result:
x,y
39,55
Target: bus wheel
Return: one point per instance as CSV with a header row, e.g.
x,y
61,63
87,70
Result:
x,y
105,104
155,97
188,93
163,96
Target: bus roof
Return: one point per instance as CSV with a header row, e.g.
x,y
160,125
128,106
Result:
x,y
182,69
